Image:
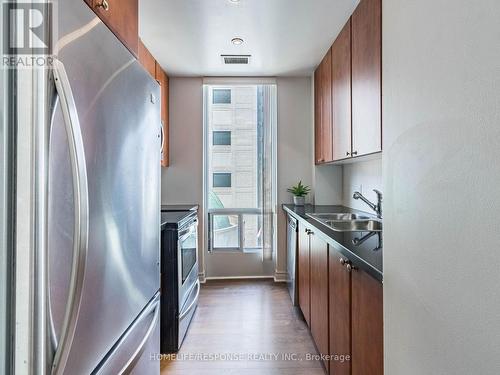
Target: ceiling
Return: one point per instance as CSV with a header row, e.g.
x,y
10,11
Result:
x,y
284,37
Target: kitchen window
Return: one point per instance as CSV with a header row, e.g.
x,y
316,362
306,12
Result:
x,y
222,138
240,187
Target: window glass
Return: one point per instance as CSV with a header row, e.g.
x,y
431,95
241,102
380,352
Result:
x,y
222,180
221,96
226,231
222,138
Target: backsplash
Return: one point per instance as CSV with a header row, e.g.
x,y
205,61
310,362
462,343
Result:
x,y
363,177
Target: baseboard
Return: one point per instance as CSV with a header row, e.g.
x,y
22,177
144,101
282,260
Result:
x,y
237,277
201,277
280,277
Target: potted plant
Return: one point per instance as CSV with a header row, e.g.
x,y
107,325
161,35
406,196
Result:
x,y
299,192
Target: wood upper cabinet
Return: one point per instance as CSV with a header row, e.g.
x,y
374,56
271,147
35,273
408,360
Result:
x,y
122,17
339,280
367,77
162,79
304,273
319,294
147,60
341,94
323,111
348,108
318,146
367,325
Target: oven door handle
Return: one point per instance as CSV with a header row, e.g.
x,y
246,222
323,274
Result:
x,y
195,300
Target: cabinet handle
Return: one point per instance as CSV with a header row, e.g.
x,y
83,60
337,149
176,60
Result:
x,y
342,261
347,153
350,267
354,153
104,5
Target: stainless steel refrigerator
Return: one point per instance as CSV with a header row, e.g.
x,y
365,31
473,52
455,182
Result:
x,y
103,203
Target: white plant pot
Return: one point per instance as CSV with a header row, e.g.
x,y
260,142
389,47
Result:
x,y
299,201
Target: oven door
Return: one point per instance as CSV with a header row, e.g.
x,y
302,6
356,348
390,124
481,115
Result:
x,y
188,260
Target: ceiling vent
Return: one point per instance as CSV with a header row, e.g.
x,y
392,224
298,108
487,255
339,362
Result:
x,y
236,59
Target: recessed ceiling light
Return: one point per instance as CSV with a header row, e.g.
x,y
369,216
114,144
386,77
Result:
x,y
237,41
234,1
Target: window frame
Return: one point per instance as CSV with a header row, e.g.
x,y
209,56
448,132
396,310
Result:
x,y
241,212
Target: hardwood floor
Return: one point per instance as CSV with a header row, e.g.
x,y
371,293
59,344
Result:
x,y
246,319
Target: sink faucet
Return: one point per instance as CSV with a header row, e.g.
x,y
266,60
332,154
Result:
x,y
375,207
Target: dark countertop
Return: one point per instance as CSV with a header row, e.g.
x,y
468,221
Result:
x,y
179,207
175,219
362,256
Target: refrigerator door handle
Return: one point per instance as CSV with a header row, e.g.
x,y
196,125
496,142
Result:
x,y
162,148
81,226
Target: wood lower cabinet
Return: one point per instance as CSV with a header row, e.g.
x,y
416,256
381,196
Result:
x,y
122,17
304,273
367,325
341,94
319,294
367,77
342,305
339,280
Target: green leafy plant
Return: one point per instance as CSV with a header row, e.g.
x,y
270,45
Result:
x,y
299,190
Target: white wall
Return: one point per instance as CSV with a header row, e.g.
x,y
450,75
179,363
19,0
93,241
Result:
x,y
361,176
182,181
327,184
441,108
295,148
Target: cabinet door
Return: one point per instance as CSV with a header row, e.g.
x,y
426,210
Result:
x,y
340,314
304,282
323,110
162,79
147,60
341,94
366,77
367,325
326,108
122,17
319,294
318,146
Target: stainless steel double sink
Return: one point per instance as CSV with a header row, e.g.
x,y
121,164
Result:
x,y
348,222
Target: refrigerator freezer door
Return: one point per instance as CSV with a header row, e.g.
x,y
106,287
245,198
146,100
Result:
x,y
119,112
137,350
